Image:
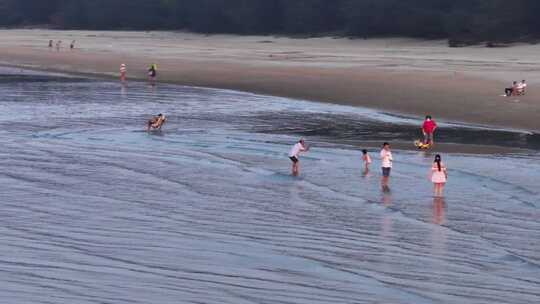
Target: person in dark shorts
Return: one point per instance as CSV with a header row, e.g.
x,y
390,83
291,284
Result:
x,y
152,73
294,156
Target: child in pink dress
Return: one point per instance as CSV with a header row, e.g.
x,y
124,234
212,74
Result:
x,y
439,175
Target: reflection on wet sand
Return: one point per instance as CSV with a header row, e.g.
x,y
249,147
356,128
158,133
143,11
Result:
x,y
387,202
123,90
439,213
439,237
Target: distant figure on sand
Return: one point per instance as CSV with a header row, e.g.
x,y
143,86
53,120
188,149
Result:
x,y
294,156
439,176
367,160
72,45
521,88
152,73
386,163
156,122
123,72
58,45
512,90
50,44
428,129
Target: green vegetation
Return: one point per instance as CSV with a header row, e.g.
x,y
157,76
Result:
x,y
461,21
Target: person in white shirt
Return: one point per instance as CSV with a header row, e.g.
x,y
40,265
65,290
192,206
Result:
x,y
386,162
521,87
294,156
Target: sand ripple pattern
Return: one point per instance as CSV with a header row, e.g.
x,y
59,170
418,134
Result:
x,y
93,210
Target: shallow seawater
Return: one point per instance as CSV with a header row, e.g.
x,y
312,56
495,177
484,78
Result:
x,y
95,210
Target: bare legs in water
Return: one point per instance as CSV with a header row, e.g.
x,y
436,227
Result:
x,y
438,189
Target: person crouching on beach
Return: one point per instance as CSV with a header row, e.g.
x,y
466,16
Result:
x,y
123,72
386,163
156,122
367,160
428,129
439,176
294,156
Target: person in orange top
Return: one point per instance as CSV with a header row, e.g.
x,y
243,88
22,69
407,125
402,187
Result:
x,y
123,72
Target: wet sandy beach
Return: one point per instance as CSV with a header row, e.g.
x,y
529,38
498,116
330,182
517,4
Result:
x,y
94,209
393,75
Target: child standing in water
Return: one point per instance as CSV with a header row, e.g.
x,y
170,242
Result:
x,y
439,176
367,160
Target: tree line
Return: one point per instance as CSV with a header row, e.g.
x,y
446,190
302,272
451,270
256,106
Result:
x,y
461,21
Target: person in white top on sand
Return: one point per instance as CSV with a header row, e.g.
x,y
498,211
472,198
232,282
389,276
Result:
x,y
522,86
294,156
386,163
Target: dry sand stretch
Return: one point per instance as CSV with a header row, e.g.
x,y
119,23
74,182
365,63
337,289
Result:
x,y
396,75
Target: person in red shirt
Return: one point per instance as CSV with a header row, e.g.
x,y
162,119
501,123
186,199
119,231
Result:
x,y
428,129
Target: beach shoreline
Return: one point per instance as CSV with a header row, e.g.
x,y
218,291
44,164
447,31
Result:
x,y
391,75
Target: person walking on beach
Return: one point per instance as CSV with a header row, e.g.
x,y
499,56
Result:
x,y
58,45
367,161
123,72
428,129
439,176
72,45
152,73
51,44
294,156
386,163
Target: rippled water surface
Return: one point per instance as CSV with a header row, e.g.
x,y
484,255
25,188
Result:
x,y
94,210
